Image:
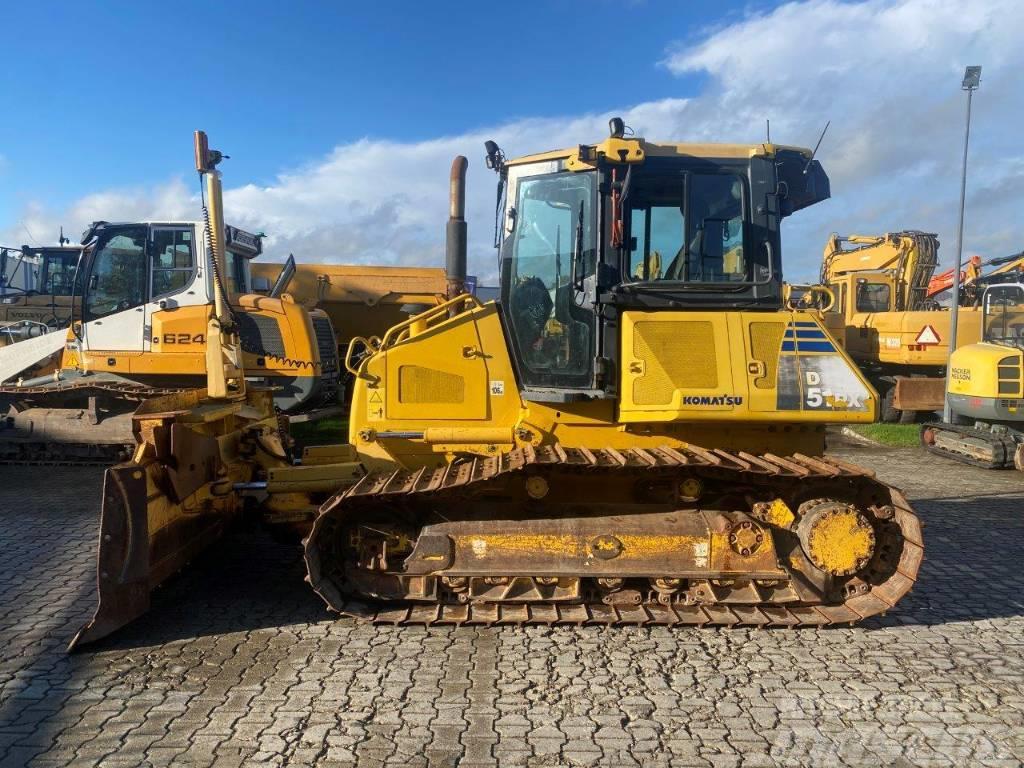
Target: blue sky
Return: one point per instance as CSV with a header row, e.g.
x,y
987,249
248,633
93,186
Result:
x,y
110,92
341,118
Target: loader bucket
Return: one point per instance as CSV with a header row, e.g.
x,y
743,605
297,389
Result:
x,y
173,500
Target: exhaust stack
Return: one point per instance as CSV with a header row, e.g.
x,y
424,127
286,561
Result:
x,y
455,243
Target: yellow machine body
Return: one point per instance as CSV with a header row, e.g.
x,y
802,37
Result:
x,y
178,342
742,382
635,431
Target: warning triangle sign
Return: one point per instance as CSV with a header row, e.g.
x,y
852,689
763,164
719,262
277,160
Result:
x,y
927,336
375,397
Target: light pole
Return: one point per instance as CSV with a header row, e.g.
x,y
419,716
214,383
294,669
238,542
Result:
x,y
972,79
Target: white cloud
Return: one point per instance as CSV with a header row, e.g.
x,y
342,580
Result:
x,y
885,73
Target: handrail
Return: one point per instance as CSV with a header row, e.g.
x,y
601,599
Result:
x,y
397,333
368,343
424,319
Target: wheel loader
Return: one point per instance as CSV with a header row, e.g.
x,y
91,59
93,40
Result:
x,y
985,389
147,293
633,433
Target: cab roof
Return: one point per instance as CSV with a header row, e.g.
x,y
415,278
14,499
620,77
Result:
x,y
672,149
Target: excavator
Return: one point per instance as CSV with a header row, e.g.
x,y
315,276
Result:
x,y
147,292
633,433
985,389
886,316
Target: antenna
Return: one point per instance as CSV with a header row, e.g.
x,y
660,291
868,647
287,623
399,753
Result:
x,y
811,158
62,241
768,130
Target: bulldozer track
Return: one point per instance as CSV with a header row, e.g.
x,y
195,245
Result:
x,y
21,451
890,575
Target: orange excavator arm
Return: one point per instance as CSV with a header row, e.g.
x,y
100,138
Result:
x,y
944,280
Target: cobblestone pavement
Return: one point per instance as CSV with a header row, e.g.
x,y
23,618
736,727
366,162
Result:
x,y
239,664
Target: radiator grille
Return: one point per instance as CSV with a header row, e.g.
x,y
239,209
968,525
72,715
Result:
x,y
676,355
417,384
765,343
326,345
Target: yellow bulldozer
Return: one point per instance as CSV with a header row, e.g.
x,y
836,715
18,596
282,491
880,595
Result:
x,y
634,433
986,389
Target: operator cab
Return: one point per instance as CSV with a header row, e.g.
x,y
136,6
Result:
x,y
40,270
588,233
1003,315
134,263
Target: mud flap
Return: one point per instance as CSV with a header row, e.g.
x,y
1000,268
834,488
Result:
x,y
145,537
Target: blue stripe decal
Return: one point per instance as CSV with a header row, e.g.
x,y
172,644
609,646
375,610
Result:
x,y
808,346
805,334
806,324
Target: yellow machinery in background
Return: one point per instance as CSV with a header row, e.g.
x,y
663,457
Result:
x,y
886,317
360,300
634,433
148,291
986,389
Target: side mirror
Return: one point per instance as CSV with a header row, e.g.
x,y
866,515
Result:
x,y
261,285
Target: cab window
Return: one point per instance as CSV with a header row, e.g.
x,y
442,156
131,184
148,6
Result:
x,y
58,276
689,228
118,278
551,243
872,297
1004,315
173,260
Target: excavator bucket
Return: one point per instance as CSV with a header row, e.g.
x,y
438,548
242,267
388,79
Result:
x,y
173,499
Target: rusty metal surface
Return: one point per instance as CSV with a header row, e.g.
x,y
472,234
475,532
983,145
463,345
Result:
x,y
471,487
142,542
122,564
919,394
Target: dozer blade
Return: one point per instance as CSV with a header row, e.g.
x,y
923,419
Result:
x,y
162,509
144,539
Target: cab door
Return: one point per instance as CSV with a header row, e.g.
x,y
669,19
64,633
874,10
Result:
x,y
116,291
174,285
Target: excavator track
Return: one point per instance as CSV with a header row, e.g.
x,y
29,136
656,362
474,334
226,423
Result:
x,y
410,547
969,445
22,447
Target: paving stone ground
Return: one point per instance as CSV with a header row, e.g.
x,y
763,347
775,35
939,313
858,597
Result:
x,y
239,664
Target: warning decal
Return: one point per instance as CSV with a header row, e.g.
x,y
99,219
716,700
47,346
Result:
x,y
927,336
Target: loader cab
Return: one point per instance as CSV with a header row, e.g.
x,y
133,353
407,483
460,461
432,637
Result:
x,y
591,233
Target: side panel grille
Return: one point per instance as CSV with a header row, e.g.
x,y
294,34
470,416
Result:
x,y
675,355
260,333
765,343
417,384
